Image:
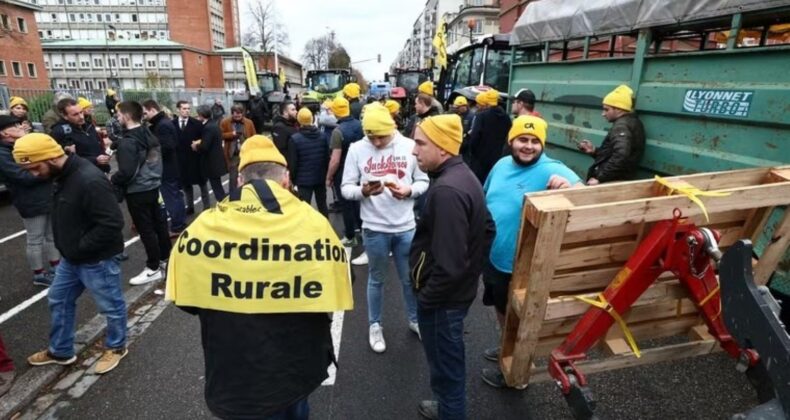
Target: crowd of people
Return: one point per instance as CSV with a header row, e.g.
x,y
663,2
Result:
x,y
437,192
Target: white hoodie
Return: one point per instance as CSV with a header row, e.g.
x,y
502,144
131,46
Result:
x,y
364,162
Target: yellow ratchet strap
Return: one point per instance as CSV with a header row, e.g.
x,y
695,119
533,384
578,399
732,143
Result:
x,y
602,303
692,193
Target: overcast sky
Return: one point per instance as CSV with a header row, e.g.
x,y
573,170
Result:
x,y
364,27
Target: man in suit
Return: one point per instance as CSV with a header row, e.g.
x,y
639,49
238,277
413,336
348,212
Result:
x,y
235,129
189,130
212,160
167,135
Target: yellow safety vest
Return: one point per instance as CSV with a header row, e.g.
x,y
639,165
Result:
x,y
263,252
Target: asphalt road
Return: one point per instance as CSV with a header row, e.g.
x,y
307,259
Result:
x,y
162,377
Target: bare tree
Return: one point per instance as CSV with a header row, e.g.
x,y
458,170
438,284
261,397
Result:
x,y
266,33
318,50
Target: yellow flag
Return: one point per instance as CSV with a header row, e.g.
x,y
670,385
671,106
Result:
x,y
440,43
267,252
249,71
282,76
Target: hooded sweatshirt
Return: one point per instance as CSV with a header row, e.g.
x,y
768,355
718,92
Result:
x,y
139,161
383,212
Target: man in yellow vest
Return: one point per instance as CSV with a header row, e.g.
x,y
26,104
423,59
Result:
x,y
261,270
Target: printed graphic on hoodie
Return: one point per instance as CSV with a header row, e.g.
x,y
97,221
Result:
x,y
391,165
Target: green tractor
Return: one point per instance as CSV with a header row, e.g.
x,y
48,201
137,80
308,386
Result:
x,y
323,85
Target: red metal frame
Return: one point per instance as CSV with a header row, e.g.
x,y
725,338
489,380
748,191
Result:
x,y
675,245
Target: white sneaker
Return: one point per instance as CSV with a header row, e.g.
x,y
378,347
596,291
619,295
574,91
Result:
x,y
376,337
415,328
362,259
146,276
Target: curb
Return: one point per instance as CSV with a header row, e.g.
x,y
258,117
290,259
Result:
x,y
27,386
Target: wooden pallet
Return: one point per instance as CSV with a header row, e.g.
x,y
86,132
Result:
x,y
574,242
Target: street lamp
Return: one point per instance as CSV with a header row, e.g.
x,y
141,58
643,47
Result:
x,y
471,23
107,52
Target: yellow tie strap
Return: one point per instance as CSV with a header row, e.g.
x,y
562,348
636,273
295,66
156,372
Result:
x,y
602,303
692,193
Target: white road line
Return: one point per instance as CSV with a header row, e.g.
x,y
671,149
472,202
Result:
x,y
337,334
40,295
16,235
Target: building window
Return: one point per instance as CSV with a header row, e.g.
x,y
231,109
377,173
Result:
x,y
74,84
200,60
112,63
4,22
163,64
97,63
150,63
72,18
101,84
89,84
85,64
31,70
54,17
99,17
134,17
2,68
16,67
20,22
46,63
125,62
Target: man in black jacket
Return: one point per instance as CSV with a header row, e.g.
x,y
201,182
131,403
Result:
x,y
32,198
139,175
165,132
452,241
87,223
212,159
188,130
423,108
284,127
76,136
308,159
488,137
618,157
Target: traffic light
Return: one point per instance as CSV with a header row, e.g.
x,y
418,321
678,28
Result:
x,y
379,58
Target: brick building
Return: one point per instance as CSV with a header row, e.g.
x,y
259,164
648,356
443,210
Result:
x,y
509,12
21,60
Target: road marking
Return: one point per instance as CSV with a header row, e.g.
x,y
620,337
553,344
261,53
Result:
x,y
16,235
40,295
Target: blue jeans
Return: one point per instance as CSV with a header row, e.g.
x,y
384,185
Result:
x,y
103,280
174,203
378,246
442,332
299,410
350,209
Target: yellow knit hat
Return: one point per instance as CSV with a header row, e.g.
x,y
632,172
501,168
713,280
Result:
x,y
488,98
110,92
426,88
340,107
392,106
84,103
528,124
352,90
259,148
621,97
36,147
304,116
17,100
460,101
446,131
327,104
377,120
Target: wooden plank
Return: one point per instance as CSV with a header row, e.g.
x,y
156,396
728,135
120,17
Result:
x,y
534,270
700,333
583,238
615,346
779,175
774,252
649,356
596,255
573,282
661,208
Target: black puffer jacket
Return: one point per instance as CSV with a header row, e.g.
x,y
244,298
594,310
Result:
x,y
86,219
618,157
30,195
139,161
282,130
486,141
309,156
166,133
452,240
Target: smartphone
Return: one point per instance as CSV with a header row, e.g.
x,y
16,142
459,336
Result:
x,y
375,183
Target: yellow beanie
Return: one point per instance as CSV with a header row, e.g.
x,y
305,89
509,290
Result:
x,y
259,148
110,92
327,104
17,100
446,131
528,124
392,106
304,116
488,98
621,97
426,88
84,103
36,147
460,101
340,107
377,120
351,90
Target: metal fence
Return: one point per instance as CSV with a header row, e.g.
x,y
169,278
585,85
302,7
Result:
x,y
41,100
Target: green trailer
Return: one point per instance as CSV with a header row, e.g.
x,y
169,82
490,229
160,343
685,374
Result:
x,y
711,80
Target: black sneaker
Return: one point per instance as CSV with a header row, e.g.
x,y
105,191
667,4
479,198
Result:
x,y
42,279
429,409
491,354
495,378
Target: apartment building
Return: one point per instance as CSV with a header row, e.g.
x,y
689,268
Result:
x,y
21,61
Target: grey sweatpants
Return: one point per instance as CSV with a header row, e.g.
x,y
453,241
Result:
x,y
40,241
